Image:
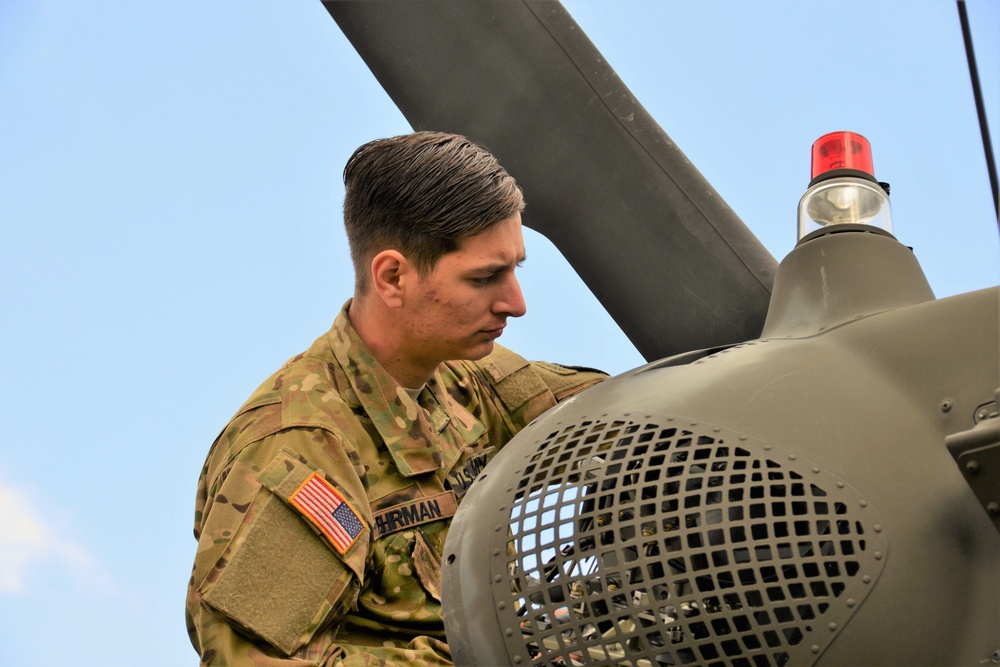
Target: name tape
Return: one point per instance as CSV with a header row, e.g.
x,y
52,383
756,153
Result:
x,y
414,513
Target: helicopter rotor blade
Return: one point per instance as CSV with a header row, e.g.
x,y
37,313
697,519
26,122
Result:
x,y
663,253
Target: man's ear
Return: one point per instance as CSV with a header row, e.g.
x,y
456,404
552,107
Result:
x,y
391,274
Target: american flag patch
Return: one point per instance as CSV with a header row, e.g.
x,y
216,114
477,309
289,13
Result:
x,y
329,511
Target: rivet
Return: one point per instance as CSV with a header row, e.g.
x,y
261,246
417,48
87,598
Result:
x,y
863,503
509,632
792,457
814,648
716,429
503,507
993,508
743,437
878,528
496,528
815,470
509,488
694,423
517,660
699,362
946,405
840,485
851,602
878,555
972,467
502,605
767,448
496,552
833,627
497,578
867,579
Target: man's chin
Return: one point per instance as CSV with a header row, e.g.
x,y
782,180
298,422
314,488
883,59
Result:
x,y
479,351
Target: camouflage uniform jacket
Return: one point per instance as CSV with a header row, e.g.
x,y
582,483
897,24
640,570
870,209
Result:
x,y
323,506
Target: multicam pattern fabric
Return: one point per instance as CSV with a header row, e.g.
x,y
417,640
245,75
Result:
x,y
269,587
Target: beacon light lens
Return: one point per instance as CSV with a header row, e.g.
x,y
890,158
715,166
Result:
x,y
841,150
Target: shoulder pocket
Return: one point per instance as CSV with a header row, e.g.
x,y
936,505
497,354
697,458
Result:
x,y
522,393
325,506
277,578
512,378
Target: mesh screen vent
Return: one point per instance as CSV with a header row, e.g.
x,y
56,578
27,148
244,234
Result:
x,y
649,544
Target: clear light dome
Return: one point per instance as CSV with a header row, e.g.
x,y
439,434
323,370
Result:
x,y
844,200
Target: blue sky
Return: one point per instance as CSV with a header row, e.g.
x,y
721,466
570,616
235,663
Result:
x,y
170,227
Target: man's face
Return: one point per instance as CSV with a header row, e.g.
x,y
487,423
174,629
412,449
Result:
x,y
462,305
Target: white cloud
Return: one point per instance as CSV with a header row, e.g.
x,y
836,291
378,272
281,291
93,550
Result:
x,y
27,541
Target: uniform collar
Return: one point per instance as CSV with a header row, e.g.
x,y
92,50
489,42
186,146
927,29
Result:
x,y
420,438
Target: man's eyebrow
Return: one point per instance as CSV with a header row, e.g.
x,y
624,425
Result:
x,y
500,268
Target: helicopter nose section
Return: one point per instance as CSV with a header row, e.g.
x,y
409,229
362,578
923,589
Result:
x,y
666,542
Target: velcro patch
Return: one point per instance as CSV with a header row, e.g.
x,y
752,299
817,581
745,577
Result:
x,y
326,509
416,512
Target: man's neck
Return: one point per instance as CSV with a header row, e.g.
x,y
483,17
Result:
x,y
381,333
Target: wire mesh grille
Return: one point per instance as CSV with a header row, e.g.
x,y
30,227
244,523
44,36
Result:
x,y
648,544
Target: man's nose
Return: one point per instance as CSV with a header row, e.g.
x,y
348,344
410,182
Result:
x,y
511,301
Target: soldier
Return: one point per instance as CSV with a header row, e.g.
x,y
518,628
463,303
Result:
x,y
323,506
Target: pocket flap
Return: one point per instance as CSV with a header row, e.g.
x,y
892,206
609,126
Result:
x,y
427,563
277,580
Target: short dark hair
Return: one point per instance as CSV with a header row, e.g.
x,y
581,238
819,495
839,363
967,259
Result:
x,y
422,194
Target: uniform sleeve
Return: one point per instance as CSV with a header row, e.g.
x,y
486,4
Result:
x,y
567,381
284,539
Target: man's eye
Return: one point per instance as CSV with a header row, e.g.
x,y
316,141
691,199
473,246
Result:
x,y
485,281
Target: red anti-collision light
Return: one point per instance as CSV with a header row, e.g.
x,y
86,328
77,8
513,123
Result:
x,y
841,150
